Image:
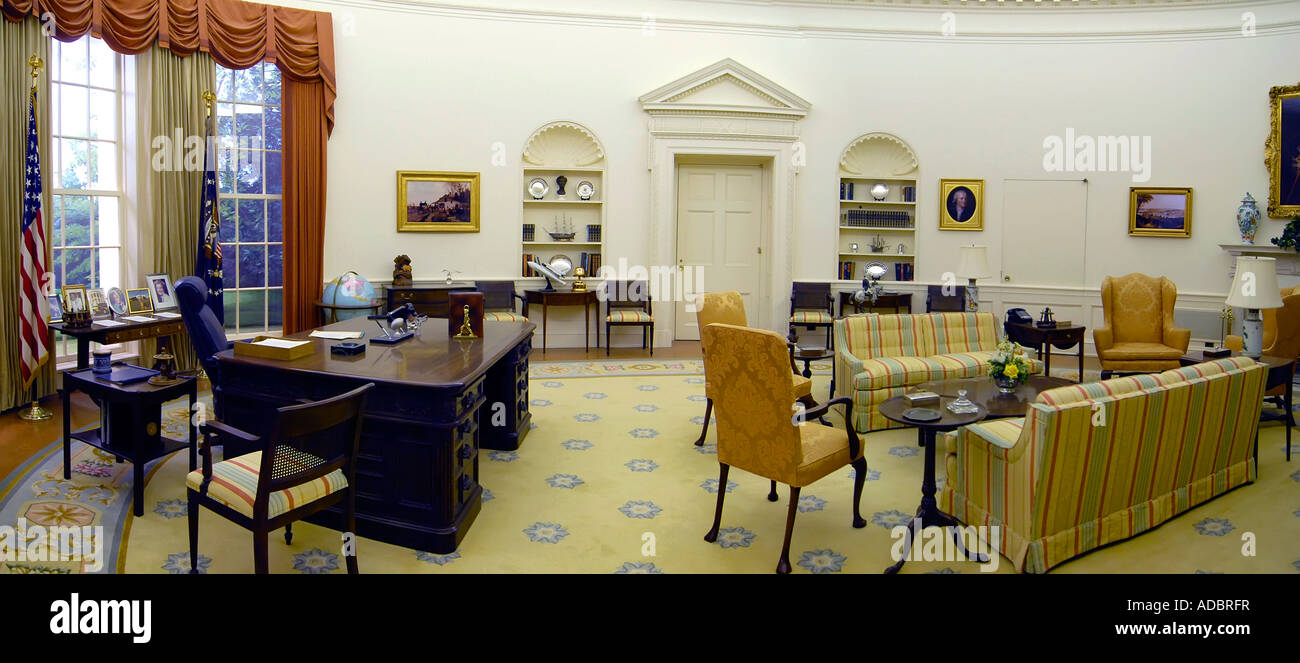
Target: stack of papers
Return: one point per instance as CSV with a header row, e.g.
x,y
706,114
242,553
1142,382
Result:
x,y
167,314
138,318
108,323
336,335
280,343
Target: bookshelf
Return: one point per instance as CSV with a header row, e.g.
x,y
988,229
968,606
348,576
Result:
x,y
569,150
884,218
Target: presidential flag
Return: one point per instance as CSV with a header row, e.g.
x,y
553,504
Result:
x,y
33,307
208,264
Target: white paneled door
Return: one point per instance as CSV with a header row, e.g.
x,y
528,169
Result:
x,y
719,224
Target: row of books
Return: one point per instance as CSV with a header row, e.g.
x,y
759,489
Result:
x,y
909,194
593,233
871,218
846,190
530,232
525,259
589,262
903,271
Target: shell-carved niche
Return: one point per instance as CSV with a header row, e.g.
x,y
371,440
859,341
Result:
x,y
879,154
563,144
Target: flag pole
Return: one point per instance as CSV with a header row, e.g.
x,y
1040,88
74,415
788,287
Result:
x,y
35,412
208,100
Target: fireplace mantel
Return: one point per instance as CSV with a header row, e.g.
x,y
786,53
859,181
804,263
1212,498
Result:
x,y
1288,261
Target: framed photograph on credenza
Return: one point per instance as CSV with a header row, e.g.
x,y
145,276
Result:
x,y
56,308
75,300
160,291
961,204
1160,211
98,304
1282,152
138,300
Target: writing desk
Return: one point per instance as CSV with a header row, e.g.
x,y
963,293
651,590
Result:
x,y
436,402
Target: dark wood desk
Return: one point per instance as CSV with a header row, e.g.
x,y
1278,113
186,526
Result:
x,y
1281,371
436,402
893,300
1043,338
130,422
127,331
548,298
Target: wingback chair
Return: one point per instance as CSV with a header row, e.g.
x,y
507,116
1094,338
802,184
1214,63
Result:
x,y
747,372
1139,336
205,331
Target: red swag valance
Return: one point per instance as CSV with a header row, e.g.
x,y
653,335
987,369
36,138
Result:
x,y
236,34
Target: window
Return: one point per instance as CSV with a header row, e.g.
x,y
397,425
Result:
x,y
85,164
248,183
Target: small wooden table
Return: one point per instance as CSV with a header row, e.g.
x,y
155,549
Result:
x,y
548,298
127,331
928,513
333,309
895,300
817,354
1280,372
131,422
1043,338
984,392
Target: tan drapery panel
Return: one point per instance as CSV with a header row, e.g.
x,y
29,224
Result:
x,y
176,87
18,41
236,34
304,202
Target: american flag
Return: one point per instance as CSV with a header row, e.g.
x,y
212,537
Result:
x,y
34,308
207,265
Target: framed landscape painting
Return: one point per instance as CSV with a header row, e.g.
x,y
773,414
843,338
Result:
x,y
1160,211
1282,152
437,202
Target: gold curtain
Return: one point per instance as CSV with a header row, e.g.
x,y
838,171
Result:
x,y
18,42
175,92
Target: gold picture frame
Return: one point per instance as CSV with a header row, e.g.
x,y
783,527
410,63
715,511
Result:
x,y
437,202
1282,152
138,300
75,299
1160,211
953,215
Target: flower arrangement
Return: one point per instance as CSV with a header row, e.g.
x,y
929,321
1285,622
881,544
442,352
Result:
x,y
1009,366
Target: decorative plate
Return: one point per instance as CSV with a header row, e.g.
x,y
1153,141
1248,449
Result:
x,y
561,264
586,190
922,414
880,191
538,188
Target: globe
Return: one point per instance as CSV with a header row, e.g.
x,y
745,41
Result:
x,y
349,289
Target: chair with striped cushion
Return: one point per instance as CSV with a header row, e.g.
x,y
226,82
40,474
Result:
x,y
499,301
811,306
627,304
305,465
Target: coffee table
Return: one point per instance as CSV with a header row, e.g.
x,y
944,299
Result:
x,y
984,391
928,513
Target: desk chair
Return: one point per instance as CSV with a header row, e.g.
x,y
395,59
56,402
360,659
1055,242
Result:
x,y
629,305
938,302
306,464
812,306
499,301
205,331
753,389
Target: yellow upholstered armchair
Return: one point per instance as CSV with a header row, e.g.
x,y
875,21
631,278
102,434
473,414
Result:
x,y
1139,336
759,432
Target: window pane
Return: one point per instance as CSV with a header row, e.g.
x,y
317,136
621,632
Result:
x,y
103,165
273,140
109,268
103,114
226,124
225,78
78,264
272,84
57,266
229,267
108,227
252,221
73,109
226,209
248,84
231,300
103,64
274,226
56,220
225,171
274,264
248,126
252,310
273,173
249,167
74,160
252,267
72,62
55,106
274,308
77,216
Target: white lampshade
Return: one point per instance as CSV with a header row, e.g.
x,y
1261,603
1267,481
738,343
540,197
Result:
x,y
975,263
1255,285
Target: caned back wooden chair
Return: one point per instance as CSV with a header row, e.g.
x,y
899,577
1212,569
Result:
x,y
758,432
306,465
936,301
627,304
812,306
499,301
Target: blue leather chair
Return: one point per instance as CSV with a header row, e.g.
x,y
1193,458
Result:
x,y
206,332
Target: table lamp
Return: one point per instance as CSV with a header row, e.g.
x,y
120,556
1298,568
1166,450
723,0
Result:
x,y
1254,287
974,265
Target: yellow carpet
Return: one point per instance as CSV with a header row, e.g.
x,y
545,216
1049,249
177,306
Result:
x,y
610,475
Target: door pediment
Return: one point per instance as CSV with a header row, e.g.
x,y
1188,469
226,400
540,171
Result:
x,y
725,99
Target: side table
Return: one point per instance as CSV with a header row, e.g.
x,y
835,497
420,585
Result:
x,y
1043,338
131,422
549,298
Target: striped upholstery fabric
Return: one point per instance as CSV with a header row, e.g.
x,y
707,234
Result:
x,y
628,315
504,316
1059,486
812,318
234,484
878,356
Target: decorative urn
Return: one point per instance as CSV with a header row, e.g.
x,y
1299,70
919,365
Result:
x,y
1248,219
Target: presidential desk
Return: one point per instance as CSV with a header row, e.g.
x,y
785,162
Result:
x,y
436,402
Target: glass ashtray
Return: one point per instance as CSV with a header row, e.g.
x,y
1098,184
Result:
x,y
962,405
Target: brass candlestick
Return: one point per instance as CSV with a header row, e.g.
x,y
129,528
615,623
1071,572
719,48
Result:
x,y
466,332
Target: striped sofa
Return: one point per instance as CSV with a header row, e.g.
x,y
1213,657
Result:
x,y
1096,463
878,356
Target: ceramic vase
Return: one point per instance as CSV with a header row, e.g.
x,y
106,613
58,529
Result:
x,y
1248,219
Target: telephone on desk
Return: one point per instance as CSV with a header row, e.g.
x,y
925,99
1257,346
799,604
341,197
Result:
x,y
1017,316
